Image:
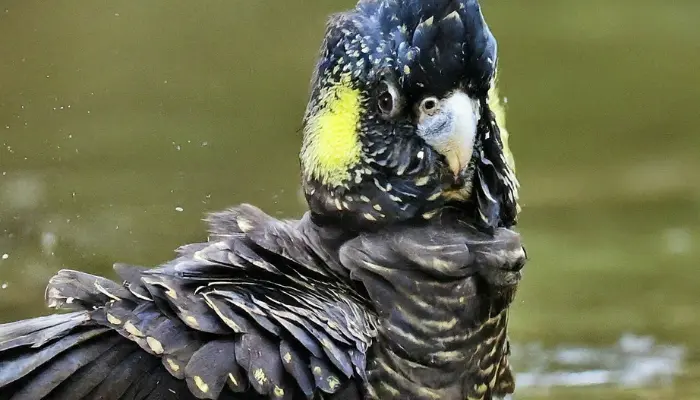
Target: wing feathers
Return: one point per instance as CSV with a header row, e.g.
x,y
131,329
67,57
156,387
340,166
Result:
x,y
38,331
257,311
14,368
207,371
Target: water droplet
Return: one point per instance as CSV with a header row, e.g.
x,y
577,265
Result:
x,y
678,241
48,242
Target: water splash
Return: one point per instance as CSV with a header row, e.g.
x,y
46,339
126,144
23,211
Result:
x,y
633,361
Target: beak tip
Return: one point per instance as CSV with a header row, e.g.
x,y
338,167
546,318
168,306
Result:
x,y
455,163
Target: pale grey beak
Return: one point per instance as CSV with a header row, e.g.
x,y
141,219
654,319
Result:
x,y
450,129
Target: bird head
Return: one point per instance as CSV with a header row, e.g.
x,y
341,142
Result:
x,y
404,120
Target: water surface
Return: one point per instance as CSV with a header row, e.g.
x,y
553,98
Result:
x,y
122,122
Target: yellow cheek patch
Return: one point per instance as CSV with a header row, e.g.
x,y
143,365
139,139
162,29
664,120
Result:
x,y
331,140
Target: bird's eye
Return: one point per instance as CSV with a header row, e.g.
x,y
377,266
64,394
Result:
x,y
386,102
388,99
429,105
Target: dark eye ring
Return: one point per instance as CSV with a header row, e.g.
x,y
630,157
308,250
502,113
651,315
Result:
x,y
385,101
389,100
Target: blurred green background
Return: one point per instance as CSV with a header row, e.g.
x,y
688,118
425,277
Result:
x,y
122,123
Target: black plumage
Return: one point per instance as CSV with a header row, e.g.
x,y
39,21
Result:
x,y
257,313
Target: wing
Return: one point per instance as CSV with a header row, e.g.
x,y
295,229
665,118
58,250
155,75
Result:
x,y
259,309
